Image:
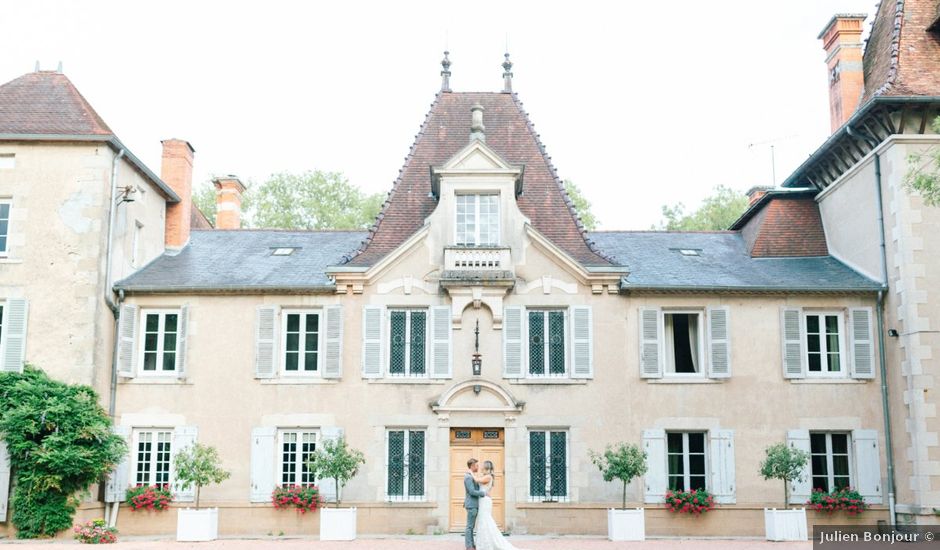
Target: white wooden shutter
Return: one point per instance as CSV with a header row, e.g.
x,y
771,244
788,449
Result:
x,y
127,341
654,443
722,466
181,342
14,335
800,488
863,361
266,341
4,480
719,342
867,465
115,487
184,437
513,317
328,486
791,324
441,355
262,463
582,342
651,364
333,361
373,323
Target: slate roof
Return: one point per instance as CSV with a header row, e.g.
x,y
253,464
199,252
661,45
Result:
x,y
723,263
239,260
445,131
902,57
46,102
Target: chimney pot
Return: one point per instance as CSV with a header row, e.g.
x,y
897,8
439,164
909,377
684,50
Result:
x,y
228,202
176,170
842,40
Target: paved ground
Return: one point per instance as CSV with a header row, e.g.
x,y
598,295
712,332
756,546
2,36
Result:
x,y
445,542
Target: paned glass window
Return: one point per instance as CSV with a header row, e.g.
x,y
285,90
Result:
x,y
408,342
405,465
546,342
823,343
160,334
301,342
829,460
685,452
296,447
152,457
477,220
548,465
4,226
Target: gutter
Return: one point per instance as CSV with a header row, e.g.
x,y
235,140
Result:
x,y
762,289
251,289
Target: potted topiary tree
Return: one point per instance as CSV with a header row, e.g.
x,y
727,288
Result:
x,y
624,462
198,466
786,464
335,460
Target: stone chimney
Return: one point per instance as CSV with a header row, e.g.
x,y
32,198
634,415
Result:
x,y
176,171
755,193
842,40
228,202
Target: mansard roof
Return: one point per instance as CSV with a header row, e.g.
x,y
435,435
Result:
x,y
509,133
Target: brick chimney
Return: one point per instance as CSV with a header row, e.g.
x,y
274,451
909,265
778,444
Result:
x,y
842,40
228,202
755,193
177,172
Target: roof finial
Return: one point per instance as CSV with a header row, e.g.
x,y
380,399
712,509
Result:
x,y
36,69
445,74
476,123
507,75
59,68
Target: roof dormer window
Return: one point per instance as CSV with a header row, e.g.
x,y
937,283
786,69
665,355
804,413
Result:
x,y
477,221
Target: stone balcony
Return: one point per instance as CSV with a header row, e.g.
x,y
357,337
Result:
x,y
477,265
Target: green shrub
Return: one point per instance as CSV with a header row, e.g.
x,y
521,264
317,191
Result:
x,y
625,463
784,463
199,466
337,461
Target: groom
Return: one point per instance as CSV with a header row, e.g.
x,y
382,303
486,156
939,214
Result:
x,y
472,501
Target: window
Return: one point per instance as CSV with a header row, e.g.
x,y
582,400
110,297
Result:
x,y
160,334
152,452
284,251
135,247
829,460
405,451
7,161
683,342
5,206
407,342
685,453
548,465
477,220
301,342
1,325
546,342
824,343
296,446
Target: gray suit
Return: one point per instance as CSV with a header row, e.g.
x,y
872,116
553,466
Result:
x,y
472,503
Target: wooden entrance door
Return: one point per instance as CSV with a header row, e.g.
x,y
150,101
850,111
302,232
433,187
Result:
x,y
481,444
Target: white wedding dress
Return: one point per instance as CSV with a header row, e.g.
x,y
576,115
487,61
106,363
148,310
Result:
x,y
488,535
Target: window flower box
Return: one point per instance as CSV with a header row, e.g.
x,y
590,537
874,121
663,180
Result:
x,y
847,499
695,502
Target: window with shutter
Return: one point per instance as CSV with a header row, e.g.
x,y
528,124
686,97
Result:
x,y
13,342
651,364
300,333
863,364
263,469
372,317
548,465
824,348
266,341
5,207
683,343
791,325
333,359
830,460
405,465
294,449
719,343
546,343
513,321
407,330
159,337
582,362
152,453
685,453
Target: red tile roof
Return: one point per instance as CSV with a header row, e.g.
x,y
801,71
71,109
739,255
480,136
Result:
x,y
446,130
46,102
902,58
787,226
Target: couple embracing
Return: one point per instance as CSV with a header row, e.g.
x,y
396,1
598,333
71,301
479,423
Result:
x,y
479,507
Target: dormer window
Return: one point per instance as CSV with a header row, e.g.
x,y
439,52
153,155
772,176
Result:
x,y
477,220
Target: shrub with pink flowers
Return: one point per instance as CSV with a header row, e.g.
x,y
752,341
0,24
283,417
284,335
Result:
x,y
847,499
149,497
303,498
695,502
95,531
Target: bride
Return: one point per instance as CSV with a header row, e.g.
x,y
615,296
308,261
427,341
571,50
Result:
x,y
488,535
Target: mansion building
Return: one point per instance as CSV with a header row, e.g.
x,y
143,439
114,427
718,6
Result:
x,y
477,317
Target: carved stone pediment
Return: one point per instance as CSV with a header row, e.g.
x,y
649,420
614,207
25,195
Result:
x,y
476,396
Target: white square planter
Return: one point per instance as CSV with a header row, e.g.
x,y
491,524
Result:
x,y
197,525
626,524
785,524
337,523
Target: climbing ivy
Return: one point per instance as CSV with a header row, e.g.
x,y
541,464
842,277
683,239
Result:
x,y
60,442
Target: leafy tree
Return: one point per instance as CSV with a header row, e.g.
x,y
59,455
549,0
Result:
x,y
785,463
59,441
581,205
204,199
717,212
335,460
923,174
199,465
625,462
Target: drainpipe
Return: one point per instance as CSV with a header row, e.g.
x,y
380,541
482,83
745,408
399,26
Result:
x,y
108,299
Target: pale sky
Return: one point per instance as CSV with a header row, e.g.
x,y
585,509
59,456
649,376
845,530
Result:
x,y
640,103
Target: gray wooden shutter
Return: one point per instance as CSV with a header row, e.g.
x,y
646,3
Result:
x,y
4,480
582,342
800,488
654,443
184,437
441,354
14,334
791,324
262,463
722,466
127,341
115,487
513,342
266,341
867,465
373,322
333,363
328,486
863,363
719,342
651,363
182,343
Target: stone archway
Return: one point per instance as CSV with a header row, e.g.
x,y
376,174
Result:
x,y
477,396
